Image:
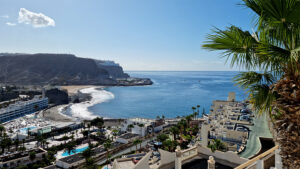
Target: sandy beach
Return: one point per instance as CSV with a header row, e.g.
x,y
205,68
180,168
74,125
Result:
x,y
55,115
74,89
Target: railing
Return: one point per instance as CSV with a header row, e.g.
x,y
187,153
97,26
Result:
x,y
189,153
256,159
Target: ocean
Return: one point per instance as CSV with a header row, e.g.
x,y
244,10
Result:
x,y
172,94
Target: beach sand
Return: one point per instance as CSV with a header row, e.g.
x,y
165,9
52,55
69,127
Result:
x,y
74,89
54,114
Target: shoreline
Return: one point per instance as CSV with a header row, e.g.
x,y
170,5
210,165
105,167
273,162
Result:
x,y
74,89
90,96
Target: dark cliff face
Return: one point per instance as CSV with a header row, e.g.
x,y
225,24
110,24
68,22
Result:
x,y
57,97
55,69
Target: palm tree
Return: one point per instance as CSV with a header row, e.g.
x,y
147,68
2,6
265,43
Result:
x,y
87,154
70,147
175,131
169,145
203,112
32,156
216,145
28,132
107,145
23,142
130,126
2,130
194,108
274,50
141,127
115,132
136,142
16,143
197,112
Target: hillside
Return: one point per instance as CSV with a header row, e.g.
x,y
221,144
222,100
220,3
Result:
x,y
58,69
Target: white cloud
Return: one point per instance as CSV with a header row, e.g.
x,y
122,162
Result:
x,y
5,16
37,20
11,24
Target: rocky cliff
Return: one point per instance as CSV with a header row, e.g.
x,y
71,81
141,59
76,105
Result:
x,y
57,69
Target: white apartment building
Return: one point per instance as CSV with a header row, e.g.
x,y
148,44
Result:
x,y
148,126
22,108
14,160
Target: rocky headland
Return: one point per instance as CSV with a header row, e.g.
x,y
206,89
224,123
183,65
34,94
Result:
x,y
63,69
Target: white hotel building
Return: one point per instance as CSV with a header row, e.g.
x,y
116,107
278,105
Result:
x,y
22,108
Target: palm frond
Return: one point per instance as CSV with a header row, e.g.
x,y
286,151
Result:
x,y
236,43
247,51
247,79
278,20
262,98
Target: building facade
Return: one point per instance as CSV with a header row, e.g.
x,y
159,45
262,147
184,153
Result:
x,y
22,108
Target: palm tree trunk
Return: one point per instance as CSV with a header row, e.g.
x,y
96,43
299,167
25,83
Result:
x,y
287,124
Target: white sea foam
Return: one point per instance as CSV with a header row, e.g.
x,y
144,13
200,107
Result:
x,y
80,110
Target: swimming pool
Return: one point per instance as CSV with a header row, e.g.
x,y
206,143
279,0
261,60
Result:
x,y
24,130
78,150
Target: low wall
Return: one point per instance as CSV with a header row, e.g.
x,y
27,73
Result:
x,y
226,158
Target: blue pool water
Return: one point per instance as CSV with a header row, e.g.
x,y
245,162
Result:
x,y
24,130
79,150
172,94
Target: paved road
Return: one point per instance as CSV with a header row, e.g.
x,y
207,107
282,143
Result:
x,y
260,129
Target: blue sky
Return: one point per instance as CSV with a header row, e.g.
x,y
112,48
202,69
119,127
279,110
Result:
x,y
138,34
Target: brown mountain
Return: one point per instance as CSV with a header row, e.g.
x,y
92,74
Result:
x,y
58,69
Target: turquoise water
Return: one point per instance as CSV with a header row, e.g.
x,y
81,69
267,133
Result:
x,y
24,130
79,150
172,94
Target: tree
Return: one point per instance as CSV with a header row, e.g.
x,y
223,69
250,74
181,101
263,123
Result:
x,y
130,126
65,138
107,145
23,142
175,131
32,155
28,132
169,145
203,112
115,132
216,144
193,108
90,164
85,133
98,121
70,147
87,153
162,137
274,50
136,142
188,119
2,130
16,143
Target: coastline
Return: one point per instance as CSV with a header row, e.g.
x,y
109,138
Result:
x,y
74,89
80,111
55,114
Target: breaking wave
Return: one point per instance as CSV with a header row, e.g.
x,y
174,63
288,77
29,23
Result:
x,y
81,110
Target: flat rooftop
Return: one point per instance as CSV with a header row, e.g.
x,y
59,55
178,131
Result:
x,y
126,164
